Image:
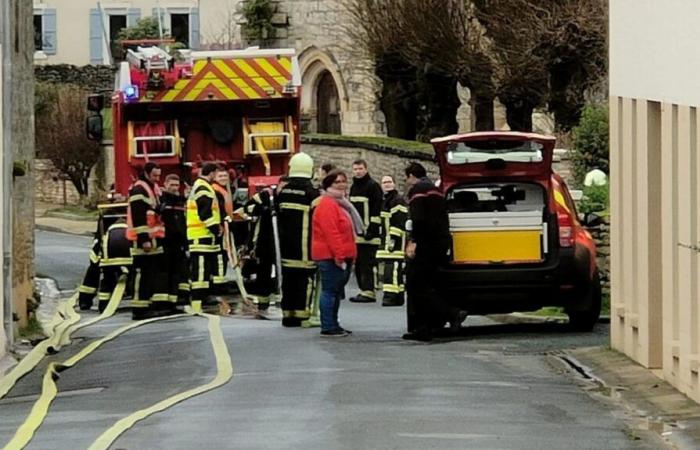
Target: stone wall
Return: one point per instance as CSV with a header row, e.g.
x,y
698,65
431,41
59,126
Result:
x,y
93,78
381,160
601,234
50,186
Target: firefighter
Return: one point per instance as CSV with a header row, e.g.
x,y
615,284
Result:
x,y
115,261
91,280
146,231
428,247
225,200
262,258
366,196
203,231
391,250
295,204
175,242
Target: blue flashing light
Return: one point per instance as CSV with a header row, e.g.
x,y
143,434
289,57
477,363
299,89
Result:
x,y
131,92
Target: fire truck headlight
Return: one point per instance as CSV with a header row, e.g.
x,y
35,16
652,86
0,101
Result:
x,y
131,92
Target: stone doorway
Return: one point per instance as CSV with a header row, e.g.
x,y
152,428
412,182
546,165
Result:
x,y
327,105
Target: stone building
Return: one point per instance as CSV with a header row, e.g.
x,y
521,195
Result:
x,y
339,87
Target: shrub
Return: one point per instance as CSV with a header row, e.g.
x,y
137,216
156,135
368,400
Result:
x,y
595,200
591,142
258,20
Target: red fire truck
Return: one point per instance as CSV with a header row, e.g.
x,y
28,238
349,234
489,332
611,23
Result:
x,y
238,107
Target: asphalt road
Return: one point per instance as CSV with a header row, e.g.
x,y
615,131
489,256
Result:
x,y
63,257
489,388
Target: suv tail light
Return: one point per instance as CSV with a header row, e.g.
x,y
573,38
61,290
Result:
x,y
566,229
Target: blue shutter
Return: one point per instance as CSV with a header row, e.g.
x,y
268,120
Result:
x,y
49,31
133,16
194,28
96,36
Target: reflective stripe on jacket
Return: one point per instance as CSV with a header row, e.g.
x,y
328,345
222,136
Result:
x,y
202,214
142,218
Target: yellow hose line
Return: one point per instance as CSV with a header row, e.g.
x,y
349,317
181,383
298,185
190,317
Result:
x,y
59,329
65,317
114,301
224,373
49,390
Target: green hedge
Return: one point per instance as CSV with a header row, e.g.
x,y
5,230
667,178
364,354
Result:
x,y
421,150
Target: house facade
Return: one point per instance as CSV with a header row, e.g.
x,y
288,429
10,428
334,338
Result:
x,y
655,187
339,91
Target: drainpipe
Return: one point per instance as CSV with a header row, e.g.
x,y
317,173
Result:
x,y
7,160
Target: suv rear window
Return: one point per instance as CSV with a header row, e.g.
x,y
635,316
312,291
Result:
x,y
482,151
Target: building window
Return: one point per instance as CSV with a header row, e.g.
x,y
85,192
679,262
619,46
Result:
x,y
117,22
38,32
180,28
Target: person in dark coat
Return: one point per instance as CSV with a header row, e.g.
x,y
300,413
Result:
x,y
366,196
391,249
428,247
173,206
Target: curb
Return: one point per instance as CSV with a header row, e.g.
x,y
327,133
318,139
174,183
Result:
x,y
531,318
61,230
68,216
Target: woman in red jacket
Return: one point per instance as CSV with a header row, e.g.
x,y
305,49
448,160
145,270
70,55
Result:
x,y
334,227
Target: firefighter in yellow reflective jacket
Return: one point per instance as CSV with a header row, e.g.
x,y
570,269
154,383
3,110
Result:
x,y
391,250
146,231
203,231
366,197
115,261
295,204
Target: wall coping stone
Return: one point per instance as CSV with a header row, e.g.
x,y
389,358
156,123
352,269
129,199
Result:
x,y
386,149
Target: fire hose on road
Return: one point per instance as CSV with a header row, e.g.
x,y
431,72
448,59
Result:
x,y
64,324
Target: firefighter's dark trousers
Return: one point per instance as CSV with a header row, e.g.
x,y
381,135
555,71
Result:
x,y
88,289
297,294
393,281
202,269
218,278
426,310
148,285
264,285
108,282
177,272
366,269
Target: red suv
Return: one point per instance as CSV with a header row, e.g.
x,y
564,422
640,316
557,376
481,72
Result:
x,y
518,244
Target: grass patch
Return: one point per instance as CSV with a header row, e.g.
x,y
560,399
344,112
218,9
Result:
x,y
549,311
415,146
79,211
32,329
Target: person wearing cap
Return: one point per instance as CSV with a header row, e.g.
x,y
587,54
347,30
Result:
x,y
295,205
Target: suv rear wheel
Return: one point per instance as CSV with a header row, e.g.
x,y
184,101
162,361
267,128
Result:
x,y
585,319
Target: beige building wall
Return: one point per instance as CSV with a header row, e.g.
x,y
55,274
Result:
x,y
655,187
3,331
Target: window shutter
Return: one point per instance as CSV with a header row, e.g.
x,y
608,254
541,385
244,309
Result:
x,y
194,28
133,16
96,37
161,12
49,31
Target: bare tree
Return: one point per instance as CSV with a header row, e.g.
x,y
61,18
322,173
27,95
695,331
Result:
x,y
60,132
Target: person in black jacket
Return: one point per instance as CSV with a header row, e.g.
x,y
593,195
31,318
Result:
x,y
391,250
263,260
366,196
175,241
296,202
428,248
